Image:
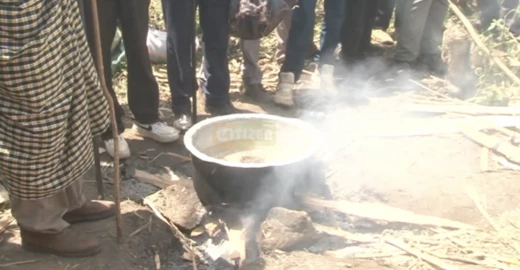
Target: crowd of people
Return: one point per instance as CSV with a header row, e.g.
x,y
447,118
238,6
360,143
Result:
x,y
51,103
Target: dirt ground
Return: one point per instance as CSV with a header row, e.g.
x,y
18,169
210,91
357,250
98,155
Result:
x,y
427,175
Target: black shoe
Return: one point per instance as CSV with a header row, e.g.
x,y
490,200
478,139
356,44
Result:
x,y
221,109
182,121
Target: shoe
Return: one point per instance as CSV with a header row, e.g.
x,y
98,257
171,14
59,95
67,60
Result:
x,y
284,94
67,243
216,110
159,132
182,121
255,91
91,211
124,150
327,85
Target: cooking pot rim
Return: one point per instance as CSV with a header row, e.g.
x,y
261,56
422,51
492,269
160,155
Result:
x,y
313,147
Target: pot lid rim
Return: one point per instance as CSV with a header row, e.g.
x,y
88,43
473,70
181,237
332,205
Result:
x,y
315,145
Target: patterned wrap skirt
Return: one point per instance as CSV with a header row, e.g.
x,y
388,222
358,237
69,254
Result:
x,y
51,103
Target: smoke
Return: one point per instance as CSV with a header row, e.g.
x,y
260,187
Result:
x,y
358,110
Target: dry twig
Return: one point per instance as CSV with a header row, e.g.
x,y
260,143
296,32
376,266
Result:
x,y
419,254
17,263
141,228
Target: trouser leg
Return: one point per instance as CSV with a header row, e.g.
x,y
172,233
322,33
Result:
x,y
385,10
413,17
108,14
352,30
433,29
489,11
251,72
214,22
370,13
179,18
45,215
143,91
300,36
282,33
331,28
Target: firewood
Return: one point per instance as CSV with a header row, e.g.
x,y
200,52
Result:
x,y
470,110
151,179
385,213
417,253
504,148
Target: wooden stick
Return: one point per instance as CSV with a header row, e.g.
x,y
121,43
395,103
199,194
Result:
x,y
470,110
430,259
385,212
498,145
141,228
181,157
474,35
472,193
113,123
18,263
148,178
186,242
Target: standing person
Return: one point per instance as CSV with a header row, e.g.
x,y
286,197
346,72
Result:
x,y
491,10
143,91
356,32
300,35
419,35
251,71
179,16
51,105
329,41
385,10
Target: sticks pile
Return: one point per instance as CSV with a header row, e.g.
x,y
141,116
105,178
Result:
x,y
434,248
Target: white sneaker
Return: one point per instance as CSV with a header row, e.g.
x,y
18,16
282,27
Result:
x,y
284,94
159,132
124,150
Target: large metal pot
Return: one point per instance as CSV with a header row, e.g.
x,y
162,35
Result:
x,y
250,160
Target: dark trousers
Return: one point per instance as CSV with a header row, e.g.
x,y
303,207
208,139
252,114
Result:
x,y
214,21
357,28
143,91
330,31
385,10
491,10
300,36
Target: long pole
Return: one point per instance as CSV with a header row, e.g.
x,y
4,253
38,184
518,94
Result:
x,y
194,62
115,135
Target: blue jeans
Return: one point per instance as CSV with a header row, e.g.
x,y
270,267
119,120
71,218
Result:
x,y
330,30
214,21
300,36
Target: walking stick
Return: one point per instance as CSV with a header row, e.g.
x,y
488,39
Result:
x,y
113,125
194,62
